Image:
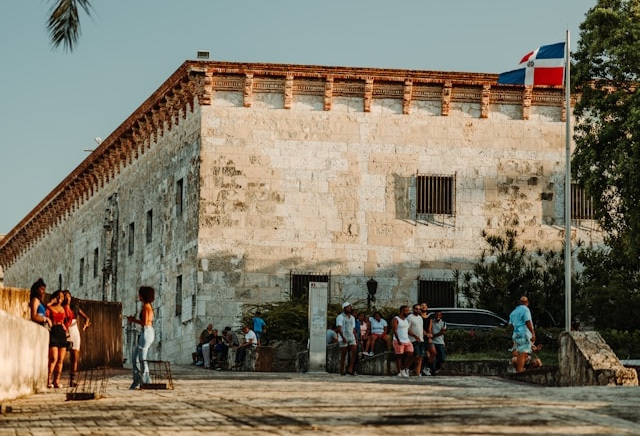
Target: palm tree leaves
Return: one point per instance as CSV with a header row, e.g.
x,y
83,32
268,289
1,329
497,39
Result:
x,y
64,22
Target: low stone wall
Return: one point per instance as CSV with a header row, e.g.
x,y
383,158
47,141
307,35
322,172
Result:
x,y
585,359
249,363
15,301
545,376
24,348
476,367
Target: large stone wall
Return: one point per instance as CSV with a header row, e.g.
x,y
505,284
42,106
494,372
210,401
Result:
x,y
294,169
150,184
306,190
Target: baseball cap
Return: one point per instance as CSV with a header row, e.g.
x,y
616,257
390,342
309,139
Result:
x,y
346,304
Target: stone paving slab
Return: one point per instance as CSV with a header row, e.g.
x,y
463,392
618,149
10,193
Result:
x,y
213,402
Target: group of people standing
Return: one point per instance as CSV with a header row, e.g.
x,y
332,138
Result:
x,y
60,316
415,336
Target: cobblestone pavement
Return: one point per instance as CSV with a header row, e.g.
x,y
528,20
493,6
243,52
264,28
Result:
x,y
212,402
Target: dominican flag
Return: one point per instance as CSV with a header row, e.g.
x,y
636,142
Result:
x,y
543,66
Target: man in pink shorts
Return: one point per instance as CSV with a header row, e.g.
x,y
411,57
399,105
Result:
x,y
402,346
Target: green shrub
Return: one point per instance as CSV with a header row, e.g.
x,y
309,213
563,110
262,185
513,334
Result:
x,y
289,320
495,340
626,344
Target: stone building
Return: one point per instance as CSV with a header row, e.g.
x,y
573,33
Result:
x,y
236,184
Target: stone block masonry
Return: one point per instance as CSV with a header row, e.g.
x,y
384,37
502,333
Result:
x,y
586,359
232,179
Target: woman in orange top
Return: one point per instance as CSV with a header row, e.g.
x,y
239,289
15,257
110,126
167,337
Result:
x,y
57,339
146,294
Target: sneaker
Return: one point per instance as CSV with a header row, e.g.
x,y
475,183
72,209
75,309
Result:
x,y
405,372
134,385
401,373
201,363
371,354
427,372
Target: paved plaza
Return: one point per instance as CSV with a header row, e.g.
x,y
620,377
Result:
x,y
213,402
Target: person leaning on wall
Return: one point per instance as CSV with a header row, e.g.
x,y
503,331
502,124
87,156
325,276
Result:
x,y
37,309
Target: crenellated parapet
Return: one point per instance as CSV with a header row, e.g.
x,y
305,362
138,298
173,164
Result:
x,y
196,82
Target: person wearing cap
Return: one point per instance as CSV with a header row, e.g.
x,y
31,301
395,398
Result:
x,y
346,329
523,333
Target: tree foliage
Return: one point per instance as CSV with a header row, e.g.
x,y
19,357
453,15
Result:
x,y
609,297
607,155
506,271
607,158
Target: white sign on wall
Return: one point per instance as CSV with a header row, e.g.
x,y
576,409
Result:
x,y
187,309
318,326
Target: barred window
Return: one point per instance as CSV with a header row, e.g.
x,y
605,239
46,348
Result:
x,y
300,283
149,230
96,267
179,295
435,194
581,203
437,293
81,275
179,196
132,242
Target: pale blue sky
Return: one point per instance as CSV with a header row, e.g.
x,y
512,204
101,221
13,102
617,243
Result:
x,y
53,104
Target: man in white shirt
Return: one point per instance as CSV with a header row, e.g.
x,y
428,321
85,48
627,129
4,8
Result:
x,y
402,346
346,322
416,333
250,341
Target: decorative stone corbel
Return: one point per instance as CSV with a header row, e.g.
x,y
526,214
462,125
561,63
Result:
x,y
328,93
406,96
248,90
526,101
288,91
368,94
446,98
486,99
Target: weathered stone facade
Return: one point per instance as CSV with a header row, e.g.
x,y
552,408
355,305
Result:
x,y
247,173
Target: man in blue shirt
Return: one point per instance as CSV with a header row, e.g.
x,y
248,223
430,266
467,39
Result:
x,y
259,326
523,333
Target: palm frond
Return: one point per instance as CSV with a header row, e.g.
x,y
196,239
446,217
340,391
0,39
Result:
x,y
64,22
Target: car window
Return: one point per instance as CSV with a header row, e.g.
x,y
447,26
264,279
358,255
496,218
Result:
x,y
486,319
455,318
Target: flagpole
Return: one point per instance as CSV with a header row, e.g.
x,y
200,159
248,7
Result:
x,y
567,192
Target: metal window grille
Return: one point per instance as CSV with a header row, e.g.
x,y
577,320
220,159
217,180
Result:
x,y
435,194
132,232
437,293
581,204
179,295
81,277
96,268
179,195
300,283
149,229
